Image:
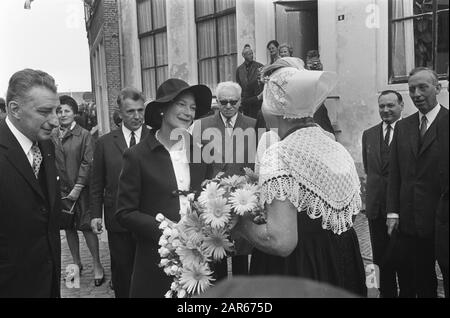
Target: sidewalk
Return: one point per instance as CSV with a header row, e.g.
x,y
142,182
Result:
x,y
88,290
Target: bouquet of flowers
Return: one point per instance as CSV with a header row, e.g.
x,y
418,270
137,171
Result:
x,y
203,234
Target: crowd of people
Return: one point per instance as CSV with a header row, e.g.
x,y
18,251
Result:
x,y
54,176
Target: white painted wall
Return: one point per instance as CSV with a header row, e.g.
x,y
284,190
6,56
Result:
x,y
357,50
182,40
264,28
130,59
245,26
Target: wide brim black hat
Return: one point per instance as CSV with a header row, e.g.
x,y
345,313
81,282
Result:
x,y
168,91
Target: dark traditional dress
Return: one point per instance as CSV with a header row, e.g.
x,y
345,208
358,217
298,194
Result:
x,y
318,176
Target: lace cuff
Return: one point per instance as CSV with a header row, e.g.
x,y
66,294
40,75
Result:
x,y
285,187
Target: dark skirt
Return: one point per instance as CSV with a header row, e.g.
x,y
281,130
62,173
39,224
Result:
x,y
320,255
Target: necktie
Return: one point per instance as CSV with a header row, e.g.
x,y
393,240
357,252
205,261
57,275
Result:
x,y
132,140
387,137
423,127
37,159
229,126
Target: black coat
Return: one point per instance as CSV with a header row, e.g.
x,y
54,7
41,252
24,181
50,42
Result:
x,y
105,173
377,172
442,210
251,88
30,244
414,189
146,188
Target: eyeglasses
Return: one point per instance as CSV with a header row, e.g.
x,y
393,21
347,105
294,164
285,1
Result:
x,y
225,102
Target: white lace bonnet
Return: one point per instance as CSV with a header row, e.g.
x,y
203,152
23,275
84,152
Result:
x,y
296,93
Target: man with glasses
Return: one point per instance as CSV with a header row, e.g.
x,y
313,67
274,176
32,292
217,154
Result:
x,y
237,134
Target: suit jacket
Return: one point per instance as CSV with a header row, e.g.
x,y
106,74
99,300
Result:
x,y
251,87
106,169
30,244
377,172
442,235
243,148
146,188
413,188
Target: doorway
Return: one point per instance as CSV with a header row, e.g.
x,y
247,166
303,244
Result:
x,y
296,23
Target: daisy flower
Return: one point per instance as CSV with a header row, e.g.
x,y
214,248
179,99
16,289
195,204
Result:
x,y
217,244
191,254
234,181
168,294
254,188
196,279
181,293
243,201
192,226
217,213
211,192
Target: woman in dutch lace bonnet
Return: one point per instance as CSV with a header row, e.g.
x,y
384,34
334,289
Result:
x,y
310,189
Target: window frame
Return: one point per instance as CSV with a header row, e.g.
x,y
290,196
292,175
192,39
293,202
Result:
x,y
392,80
152,33
213,16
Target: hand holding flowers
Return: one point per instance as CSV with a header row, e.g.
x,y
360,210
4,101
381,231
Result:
x,y
203,235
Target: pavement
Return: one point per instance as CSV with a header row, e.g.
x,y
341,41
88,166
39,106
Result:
x,y
87,288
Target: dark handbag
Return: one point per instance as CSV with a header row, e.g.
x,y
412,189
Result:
x,y
82,212
67,216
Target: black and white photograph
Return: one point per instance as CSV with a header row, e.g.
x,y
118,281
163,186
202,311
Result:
x,y
224,150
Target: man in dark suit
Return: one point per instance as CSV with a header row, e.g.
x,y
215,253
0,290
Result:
x,y
235,151
413,188
442,236
104,185
376,143
247,75
30,245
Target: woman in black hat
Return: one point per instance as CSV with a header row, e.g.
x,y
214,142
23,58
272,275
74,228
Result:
x,y
157,175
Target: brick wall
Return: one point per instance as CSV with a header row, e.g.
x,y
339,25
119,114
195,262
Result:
x,y
96,22
112,54
106,19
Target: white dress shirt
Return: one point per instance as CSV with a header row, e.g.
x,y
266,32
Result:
x,y
127,134
23,140
181,169
392,131
431,115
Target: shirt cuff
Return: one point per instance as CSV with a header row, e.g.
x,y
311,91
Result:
x,y
392,216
